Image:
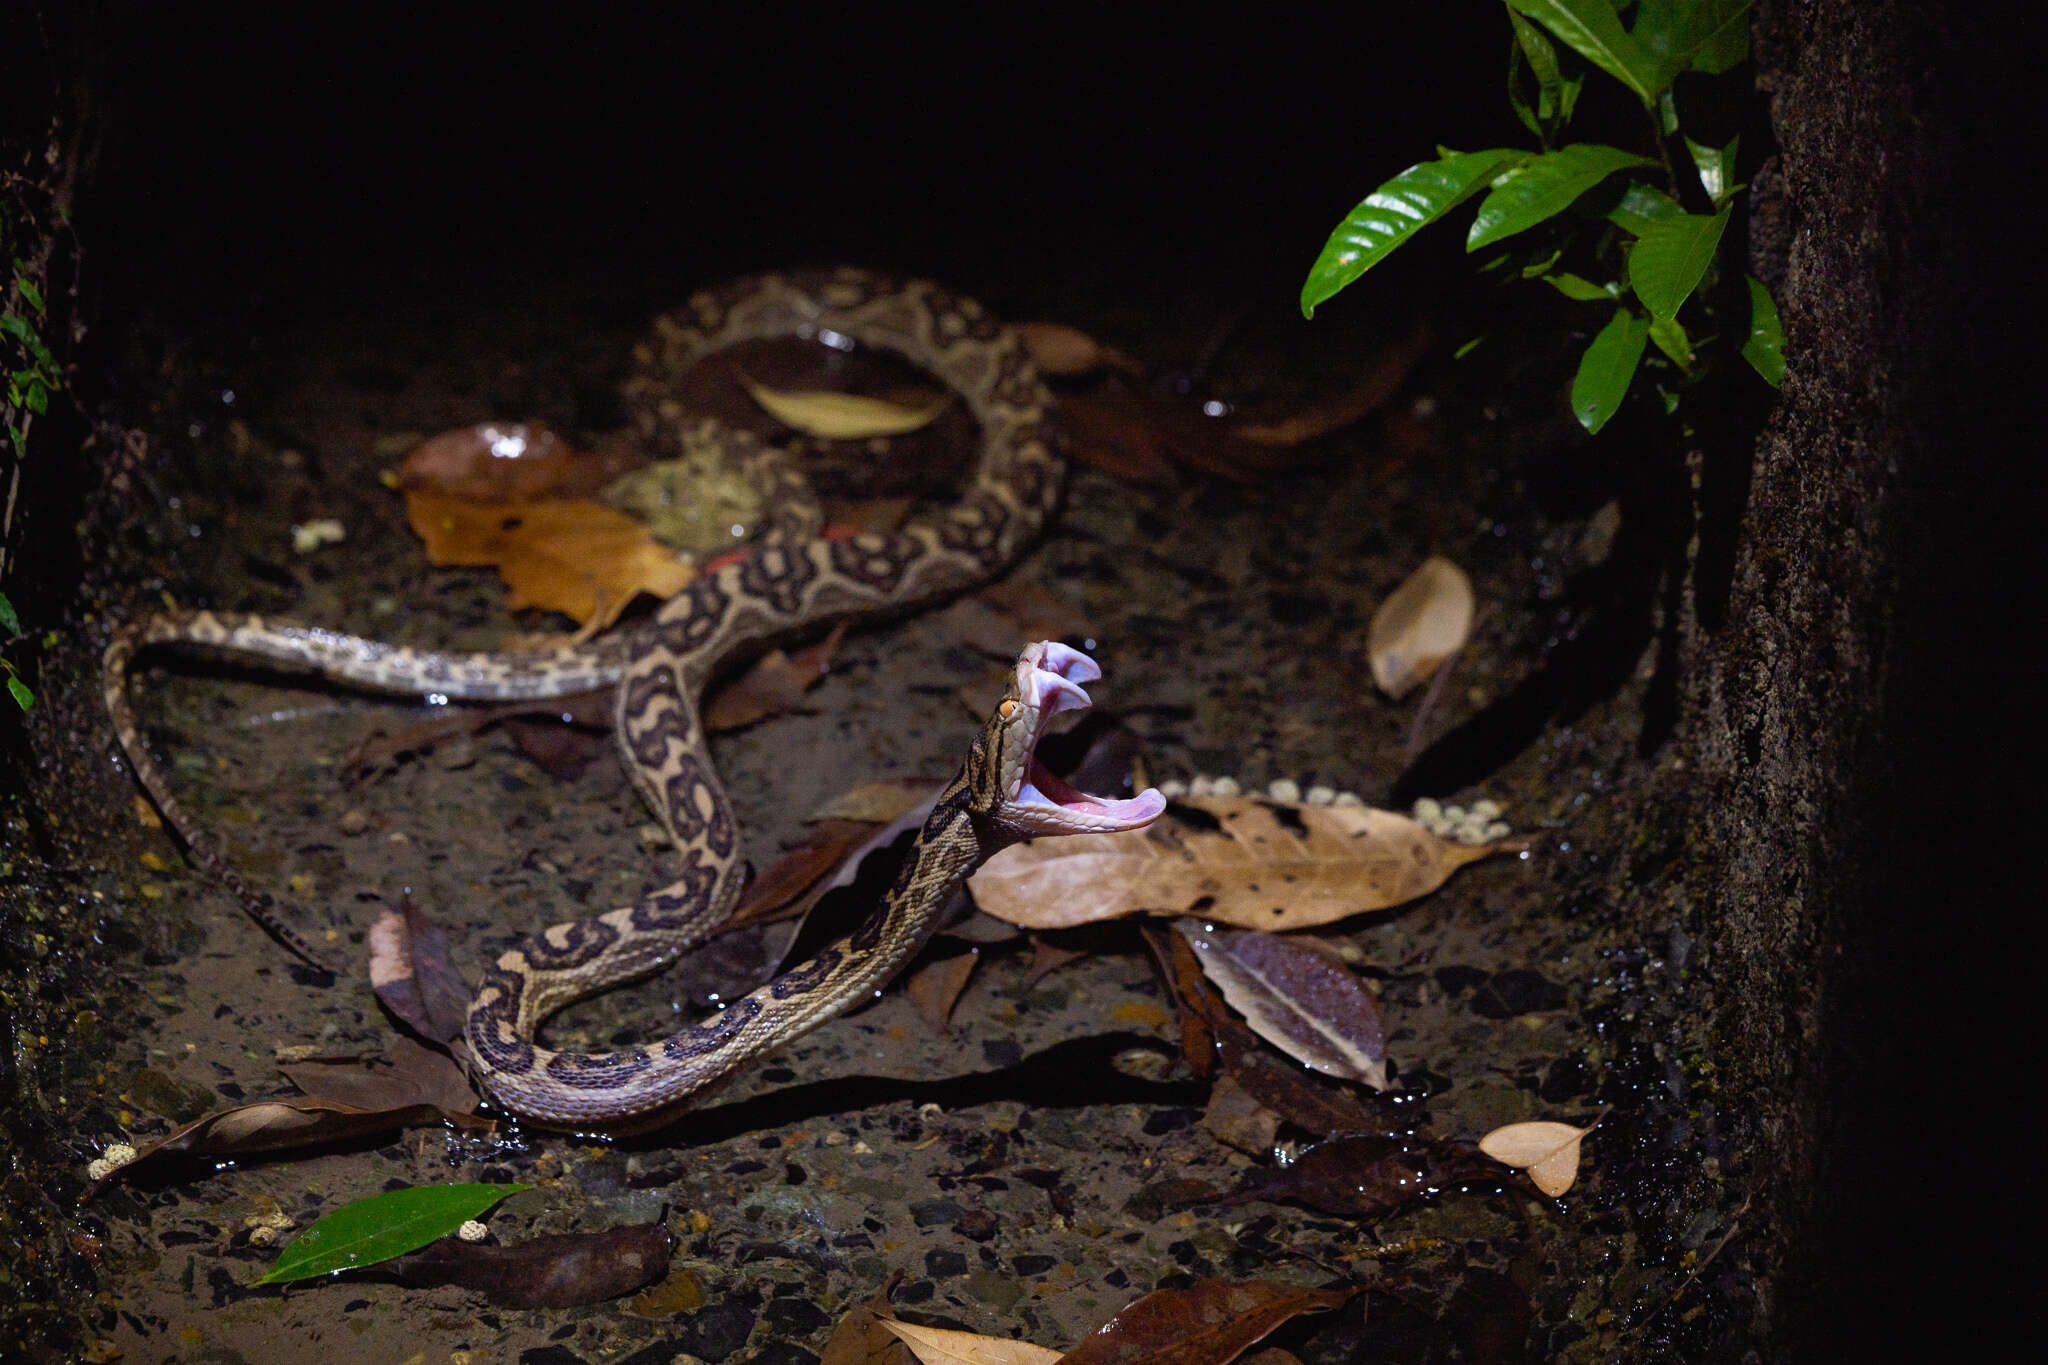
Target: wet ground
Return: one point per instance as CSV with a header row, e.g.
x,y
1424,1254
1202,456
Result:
x,y
1002,1167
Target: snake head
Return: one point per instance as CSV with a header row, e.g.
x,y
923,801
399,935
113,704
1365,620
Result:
x,y
1011,789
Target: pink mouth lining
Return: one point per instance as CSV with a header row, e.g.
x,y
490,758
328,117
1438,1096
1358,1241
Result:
x,y
1041,786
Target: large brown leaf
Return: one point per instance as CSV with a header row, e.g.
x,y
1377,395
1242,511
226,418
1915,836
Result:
x,y
1273,865
559,1270
1208,1323
1314,1009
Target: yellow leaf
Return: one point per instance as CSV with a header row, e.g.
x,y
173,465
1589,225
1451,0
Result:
x,y
1423,622
1253,871
936,1346
1549,1152
842,416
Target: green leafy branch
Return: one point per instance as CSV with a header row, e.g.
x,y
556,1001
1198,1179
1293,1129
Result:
x,y
10,631
1647,260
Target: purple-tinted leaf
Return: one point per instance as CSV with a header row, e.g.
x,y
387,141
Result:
x,y
1312,1008
560,1271
1368,1176
412,973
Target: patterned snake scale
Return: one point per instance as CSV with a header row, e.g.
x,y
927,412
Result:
x,y
786,584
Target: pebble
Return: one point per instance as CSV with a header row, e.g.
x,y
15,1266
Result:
x,y
354,821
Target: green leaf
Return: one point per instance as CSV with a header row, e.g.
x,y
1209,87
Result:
x,y
1593,30
1607,367
18,689
1543,186
1692,35
1641,207
1396,211
37,397
17,327
1584,290
1716,166
379,1228
1765,349
1556,96
11,624
1671,339
1668,262
30,293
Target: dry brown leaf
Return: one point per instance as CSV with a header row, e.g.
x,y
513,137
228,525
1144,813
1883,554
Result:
x,y
835,416
1312,1008
1375,384
1058,349
500,462
880,801
937,1346
414,976
773,686
1112,433
1423,622
582,559
1274,865
413,1074
1210,1322
936,986
1001,618
558,1270
1549,1152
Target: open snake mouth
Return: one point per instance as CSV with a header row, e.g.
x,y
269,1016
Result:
x,y
1049,678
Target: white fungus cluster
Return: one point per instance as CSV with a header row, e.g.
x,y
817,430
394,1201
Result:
x,y
1479,823
117,1155
1280,789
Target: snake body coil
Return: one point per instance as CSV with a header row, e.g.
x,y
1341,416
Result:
x,y
785,585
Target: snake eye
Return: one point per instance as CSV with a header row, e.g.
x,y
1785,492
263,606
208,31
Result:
x,y
1008,708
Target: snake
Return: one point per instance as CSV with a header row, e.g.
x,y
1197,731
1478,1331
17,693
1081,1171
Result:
x,y
788,583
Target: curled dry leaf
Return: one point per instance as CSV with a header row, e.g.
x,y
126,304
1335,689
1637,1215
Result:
x,y
498,462
936,987
1422,623
582,559
414,1074
773,686
564,1270
938,1346
1314,1009
1369,1175
1207,1323
1258,864
413,975
998,620
1066,351
1549,1152
836,416
1374,384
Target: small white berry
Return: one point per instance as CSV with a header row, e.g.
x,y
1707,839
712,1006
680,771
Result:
x,y
1453,815
1498,830
1173,788
1202,786
1428,811
472,1231
1224,786
1321,795
1284,789
1485,810
1348,799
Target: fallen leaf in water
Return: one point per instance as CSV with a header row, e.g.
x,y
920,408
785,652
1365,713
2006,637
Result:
x,y
1549,1152
1376,382
1194,1001
1422,623
561,734
413,975
563,1270
1207,1323
372,1231
1047,957
1243,861
1003,617
582,559
938,1346
413,1074
773,686
498,462
836,830
1368,1176
1300,1097
836,416
1315,1010
274,1126
862,1338
1235,1118
935,987
1058,349
1111,431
